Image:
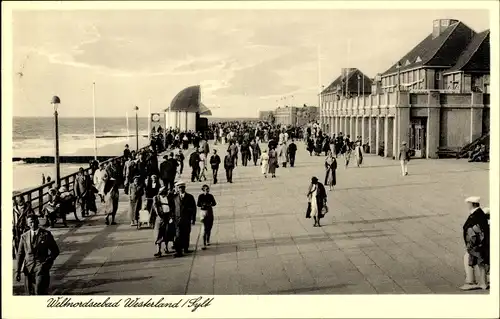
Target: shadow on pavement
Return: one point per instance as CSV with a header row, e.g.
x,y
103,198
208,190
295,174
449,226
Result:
x,y
340,189
75,287
382,220
306,290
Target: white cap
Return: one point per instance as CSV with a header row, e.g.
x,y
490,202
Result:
x,y
472,199
486,210
180,183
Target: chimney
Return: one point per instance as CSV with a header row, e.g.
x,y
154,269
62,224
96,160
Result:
x,y
440,25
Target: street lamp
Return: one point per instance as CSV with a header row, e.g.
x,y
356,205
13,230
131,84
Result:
x,y
55,104
136,109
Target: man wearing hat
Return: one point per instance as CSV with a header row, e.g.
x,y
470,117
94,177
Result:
x,y
476,233
404,158
187,216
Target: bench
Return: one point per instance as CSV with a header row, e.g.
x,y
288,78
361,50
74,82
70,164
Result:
x,y
448,152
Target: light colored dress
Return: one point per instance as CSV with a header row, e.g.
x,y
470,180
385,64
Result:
x,y
100,178
160,226
282,154
314,202
264,163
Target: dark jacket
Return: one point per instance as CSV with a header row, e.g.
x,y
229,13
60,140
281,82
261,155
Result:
x,y
215,161
206,202
187,209
194,159
228,162
292,148
38,256
152,191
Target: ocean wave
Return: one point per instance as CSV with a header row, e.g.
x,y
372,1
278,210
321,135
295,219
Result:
x,y
69,145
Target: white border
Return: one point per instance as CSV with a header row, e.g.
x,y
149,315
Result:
x,y
421,306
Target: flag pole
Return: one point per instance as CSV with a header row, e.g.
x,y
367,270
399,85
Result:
x,y
149,119
94,111
128,130
319,87
348,62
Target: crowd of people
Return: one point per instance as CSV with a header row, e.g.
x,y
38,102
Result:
x,y
157,195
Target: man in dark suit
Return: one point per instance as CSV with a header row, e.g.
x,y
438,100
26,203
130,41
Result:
x,y
194,162
214,163
168,170
36,255
229,166
292,150
187,217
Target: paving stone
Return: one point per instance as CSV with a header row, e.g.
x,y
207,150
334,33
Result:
x,y
384,234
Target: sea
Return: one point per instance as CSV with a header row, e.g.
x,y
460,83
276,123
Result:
x,y
34,137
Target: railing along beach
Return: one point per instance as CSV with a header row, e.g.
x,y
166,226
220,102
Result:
x,y
39,196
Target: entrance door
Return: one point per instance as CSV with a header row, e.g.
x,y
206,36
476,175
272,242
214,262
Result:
x,y
418,137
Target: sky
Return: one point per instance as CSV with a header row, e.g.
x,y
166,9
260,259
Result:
x,y
244,60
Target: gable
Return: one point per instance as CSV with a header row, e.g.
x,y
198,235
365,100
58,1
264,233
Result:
x,y
442,50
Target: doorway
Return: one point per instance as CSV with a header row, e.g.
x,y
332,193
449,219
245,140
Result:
x,y
418,136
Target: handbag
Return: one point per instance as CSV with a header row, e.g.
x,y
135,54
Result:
x,y
324,211
203,214
308,210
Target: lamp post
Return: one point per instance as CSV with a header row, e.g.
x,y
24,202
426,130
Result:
x,y
136,109
55,104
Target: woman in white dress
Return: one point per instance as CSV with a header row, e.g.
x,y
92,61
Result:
x,y
203,166
100,179
264,163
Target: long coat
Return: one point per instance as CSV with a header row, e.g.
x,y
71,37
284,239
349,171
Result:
x,y
255,150
330,175
135,198
320,195
273,161
476,233
185,215
163,230
282,153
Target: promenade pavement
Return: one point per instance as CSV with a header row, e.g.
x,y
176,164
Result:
x,y
384,234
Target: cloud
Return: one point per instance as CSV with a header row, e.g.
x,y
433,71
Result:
x,y
264,79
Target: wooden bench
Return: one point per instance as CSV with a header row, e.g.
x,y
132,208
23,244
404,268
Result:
x,y
448,152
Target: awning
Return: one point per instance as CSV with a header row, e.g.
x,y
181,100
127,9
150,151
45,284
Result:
x,y
204,110
187,100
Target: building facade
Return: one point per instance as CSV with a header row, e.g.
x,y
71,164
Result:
x,y
292,115
453,58
286,115
264,115
436,98
427,121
